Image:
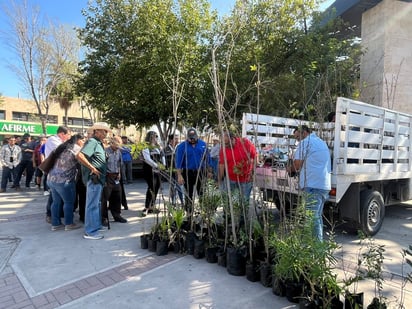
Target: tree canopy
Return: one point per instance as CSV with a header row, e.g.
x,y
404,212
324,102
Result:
x,y
152,62
140,53
45,52
149,61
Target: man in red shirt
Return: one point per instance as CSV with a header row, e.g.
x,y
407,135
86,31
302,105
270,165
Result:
x,y
239,154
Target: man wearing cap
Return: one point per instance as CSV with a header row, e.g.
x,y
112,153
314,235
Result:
x,y
27,148
127,167
94,167
192,163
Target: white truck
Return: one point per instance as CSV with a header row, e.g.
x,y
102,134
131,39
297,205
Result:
x,y
371,160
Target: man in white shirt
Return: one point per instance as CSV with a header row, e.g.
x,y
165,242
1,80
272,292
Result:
x,y
62,135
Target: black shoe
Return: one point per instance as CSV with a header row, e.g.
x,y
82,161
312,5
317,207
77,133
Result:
x,y
125,207
105,222
120,219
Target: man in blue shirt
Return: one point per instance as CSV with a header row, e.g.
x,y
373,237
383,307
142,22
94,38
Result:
x,y
127,159
192,161
312,161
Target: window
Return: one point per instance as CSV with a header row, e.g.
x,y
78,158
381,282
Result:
x,y
79,122
2,115
20,116
33,118
52,119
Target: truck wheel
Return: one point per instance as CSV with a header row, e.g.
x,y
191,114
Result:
x,y
372,211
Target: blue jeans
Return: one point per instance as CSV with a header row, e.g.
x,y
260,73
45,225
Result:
x,y
215,166
127,172
245,189
92,220
63,195
176,190
315,199
7,172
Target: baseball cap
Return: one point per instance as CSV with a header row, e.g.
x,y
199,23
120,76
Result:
x,y
192,134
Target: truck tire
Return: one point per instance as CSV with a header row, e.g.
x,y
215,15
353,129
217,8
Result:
x,y
372,211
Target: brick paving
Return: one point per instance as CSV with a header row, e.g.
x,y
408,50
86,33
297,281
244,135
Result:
x,y
14,296
13,293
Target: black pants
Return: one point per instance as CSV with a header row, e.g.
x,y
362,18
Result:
x,y
111,199
80,201
193,178
153,181
124,200
24,165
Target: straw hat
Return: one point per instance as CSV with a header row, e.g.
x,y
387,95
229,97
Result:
x,y
99,126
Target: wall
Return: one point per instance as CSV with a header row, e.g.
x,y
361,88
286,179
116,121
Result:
x,y
386,66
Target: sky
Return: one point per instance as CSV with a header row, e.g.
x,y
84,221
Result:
x,y
64,12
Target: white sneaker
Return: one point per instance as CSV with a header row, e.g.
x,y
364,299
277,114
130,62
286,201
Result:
x,y
46,193
94,237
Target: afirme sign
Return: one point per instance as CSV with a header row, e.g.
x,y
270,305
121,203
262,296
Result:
x,y
19,128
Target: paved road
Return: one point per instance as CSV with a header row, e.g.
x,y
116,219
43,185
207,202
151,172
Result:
x,y
44,269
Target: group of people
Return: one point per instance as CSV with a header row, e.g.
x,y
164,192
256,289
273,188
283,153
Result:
x,y
87,162
86,174
89,175
188,164
17,158
233,165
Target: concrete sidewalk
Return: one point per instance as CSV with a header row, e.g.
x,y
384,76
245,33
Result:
x,y
44,269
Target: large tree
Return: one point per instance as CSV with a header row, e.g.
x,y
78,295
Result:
x,y
300,62
43,49
146,62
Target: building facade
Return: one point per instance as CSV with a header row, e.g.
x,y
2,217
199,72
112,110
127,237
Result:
x,y
385,27
386,66
19,116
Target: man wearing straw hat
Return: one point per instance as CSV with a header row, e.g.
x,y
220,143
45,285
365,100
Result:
x,y
93,160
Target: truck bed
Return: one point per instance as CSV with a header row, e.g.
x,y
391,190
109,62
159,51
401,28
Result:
x,y
367,143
